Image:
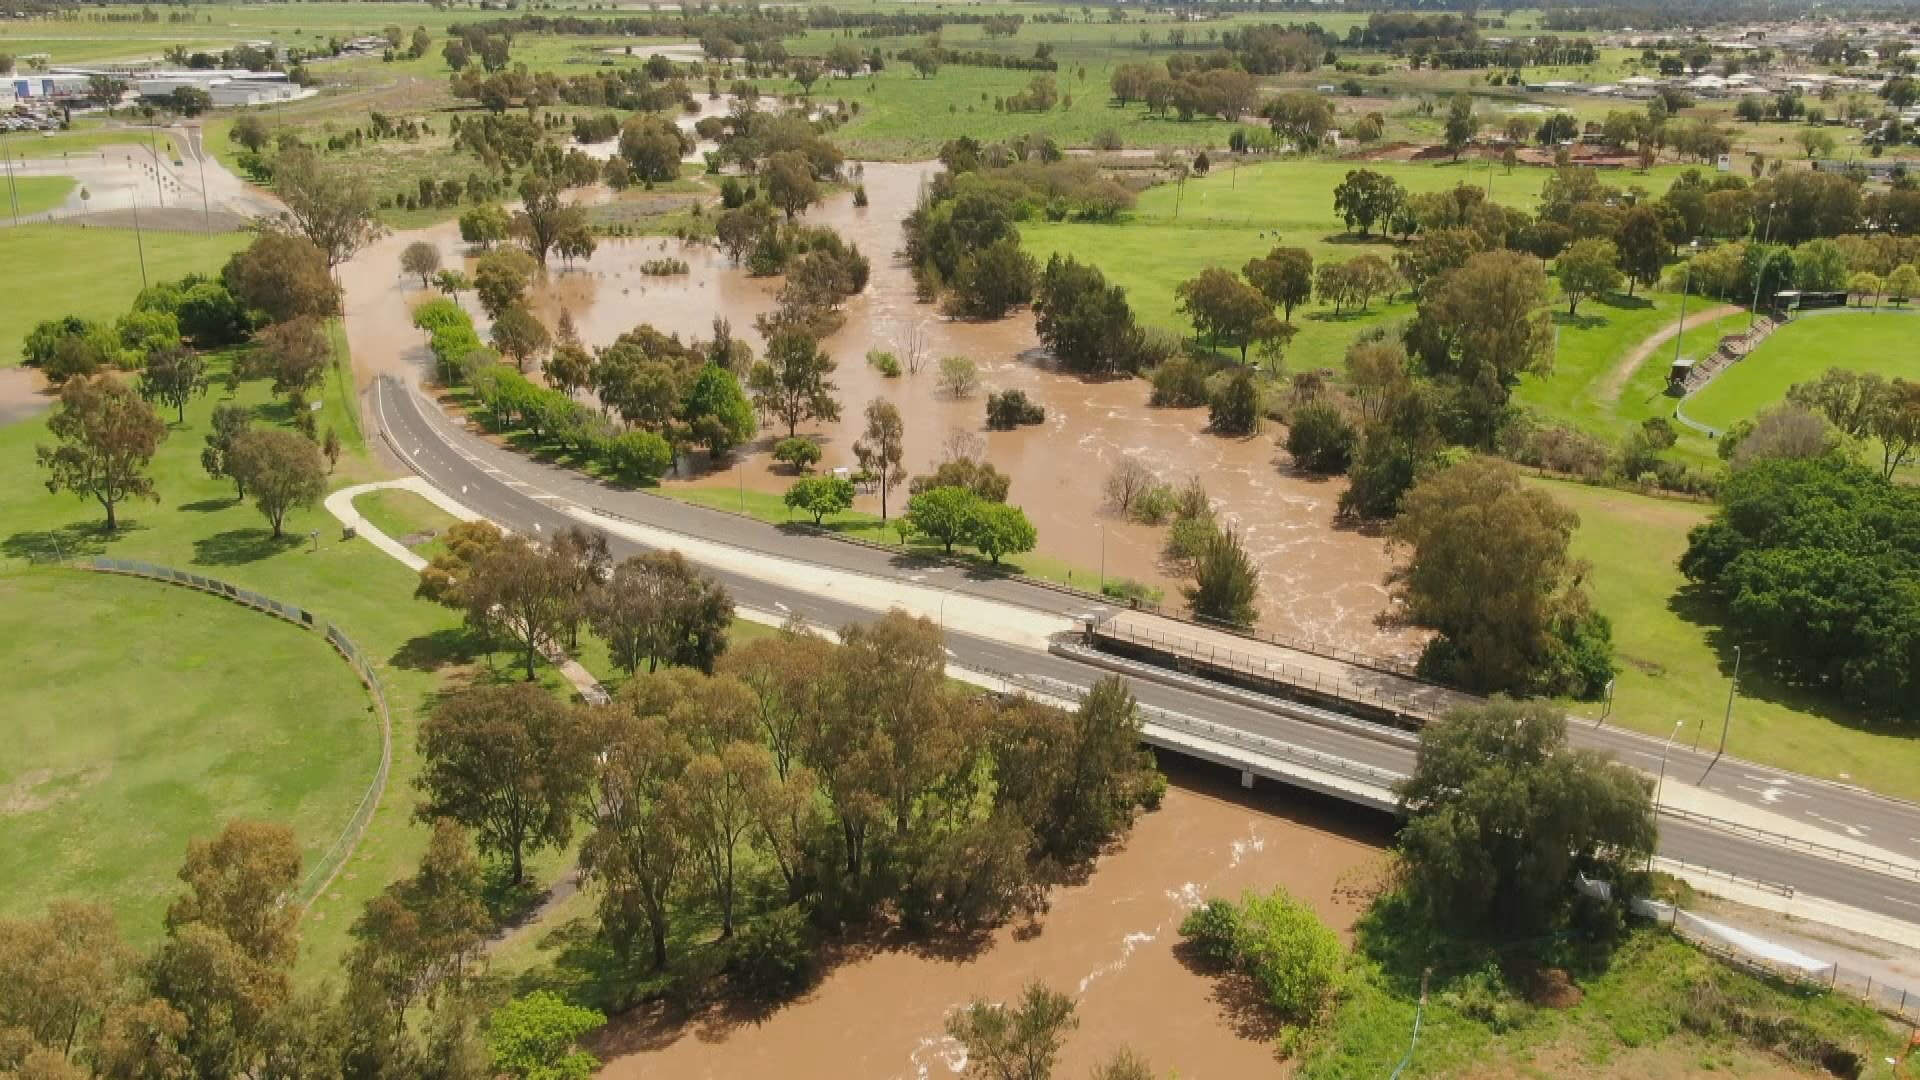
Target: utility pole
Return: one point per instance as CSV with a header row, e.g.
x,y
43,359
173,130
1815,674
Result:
x,y
1727,721
1760,275
13,190
200,154
139,245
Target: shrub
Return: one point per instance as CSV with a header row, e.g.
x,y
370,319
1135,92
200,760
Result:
x,y
639,457
1188,538
1154,505
1214,930
799,452
772,959
884,362
1320,438
1131,592
1180,383
959,376
1009,409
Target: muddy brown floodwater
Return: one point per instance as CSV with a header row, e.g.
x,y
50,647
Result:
x,y
1109,943
1318,581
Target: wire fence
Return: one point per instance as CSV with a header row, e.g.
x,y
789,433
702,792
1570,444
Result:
x,y
1891,999
323,870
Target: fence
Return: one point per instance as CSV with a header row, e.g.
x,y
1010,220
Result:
x,y
1888,998
323,870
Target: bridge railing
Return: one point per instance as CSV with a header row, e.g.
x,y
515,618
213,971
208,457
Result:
x,y
1262,744
1297,677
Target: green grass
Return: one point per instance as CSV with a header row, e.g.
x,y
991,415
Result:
x,y
766,506
146,714
1630,1023
197,526
1855,340
1591,344
1235,215
1676,663
38,193
93,272
400,514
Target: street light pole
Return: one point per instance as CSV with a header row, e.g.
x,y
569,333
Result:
x,y
1102,526
1760,275
1661,786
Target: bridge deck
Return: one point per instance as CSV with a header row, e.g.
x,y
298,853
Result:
x,y
1324,677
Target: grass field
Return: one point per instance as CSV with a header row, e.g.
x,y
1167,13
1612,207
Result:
x,y
197,525
93,272
145,714
35,194
1801,350
1676,663
1234,215
86,139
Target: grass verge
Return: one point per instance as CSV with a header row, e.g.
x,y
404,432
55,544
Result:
x,y
1676,662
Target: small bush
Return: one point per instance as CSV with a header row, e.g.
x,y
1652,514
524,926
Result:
x,y
1180,383
1132,593
664,267
1188,537
773,958
798,452
1320,438
1009,409
1154,506
884,362
639,457
1214,930
959,376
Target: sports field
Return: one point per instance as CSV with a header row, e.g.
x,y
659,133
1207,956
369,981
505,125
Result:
x,y
1883,343
142,715
34,194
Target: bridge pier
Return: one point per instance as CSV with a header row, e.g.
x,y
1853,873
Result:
x,y
1246,779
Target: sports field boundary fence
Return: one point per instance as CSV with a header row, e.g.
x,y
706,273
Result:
x,y
329,864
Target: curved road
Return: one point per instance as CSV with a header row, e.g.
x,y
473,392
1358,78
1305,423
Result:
x,y
528,497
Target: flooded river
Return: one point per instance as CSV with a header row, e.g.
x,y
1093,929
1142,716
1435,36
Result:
x,y
1108,943
1319,582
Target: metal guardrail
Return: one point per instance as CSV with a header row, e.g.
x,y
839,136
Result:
x,y
1811,847
1263,744
330,862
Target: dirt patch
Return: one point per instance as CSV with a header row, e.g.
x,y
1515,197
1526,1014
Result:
x,y
1616,379
23,393
38,789
1109,943
1552,988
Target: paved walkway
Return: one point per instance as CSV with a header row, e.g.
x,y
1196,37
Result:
x,y
340,505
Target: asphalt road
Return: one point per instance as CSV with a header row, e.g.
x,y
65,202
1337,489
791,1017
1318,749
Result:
x,y
527,497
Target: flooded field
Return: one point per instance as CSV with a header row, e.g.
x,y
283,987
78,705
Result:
x,y
1319,581
1109,943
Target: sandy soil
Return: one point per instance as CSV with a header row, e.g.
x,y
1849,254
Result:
x,y
1110,943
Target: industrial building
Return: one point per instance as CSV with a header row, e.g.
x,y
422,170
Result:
x,y
224,87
